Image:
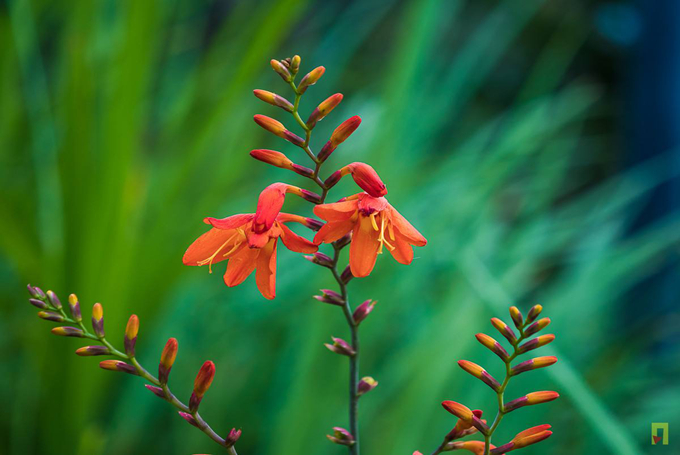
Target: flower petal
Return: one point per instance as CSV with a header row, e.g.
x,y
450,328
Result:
x,y
295,242
269,205
206,245
336,211
231,222
333,230
406,229
364,247
265,275
240,266
403,251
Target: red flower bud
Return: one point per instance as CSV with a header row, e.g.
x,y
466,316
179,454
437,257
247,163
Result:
x,y
202,383
167,360
281,69
311,78
323,109
367,179
345,129
274,99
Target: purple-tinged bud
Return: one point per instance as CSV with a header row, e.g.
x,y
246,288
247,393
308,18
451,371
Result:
x,y
320,259
89,351
232,438
167,360
74,305
326,151
493,345
333,179
310,79
463,428
131,335
302,170
343,241
323,109
118,365
54,300
188,417
294,67
366,385
68,332
313,224
274,100
533,364
341,347
535,343
341,436
346,275
467,415
51,316
528,437
38,304
332,297
362,311
202,383
277,128
480,373
281,69
537,326
272,157
310,196
531,399
98,320
505,330
533,313
36,292
158,391
517,317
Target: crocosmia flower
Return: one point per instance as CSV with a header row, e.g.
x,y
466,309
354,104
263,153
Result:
x,y
248,241
374,224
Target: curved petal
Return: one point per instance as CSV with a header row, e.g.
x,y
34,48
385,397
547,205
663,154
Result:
x,y
337,211
231,222
240,266
295,242
206,245
403,251
406,229
257,240
265,275
364,248
332,231
269,205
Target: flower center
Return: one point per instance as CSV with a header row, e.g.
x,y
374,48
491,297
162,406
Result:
x,y
239,235
381,236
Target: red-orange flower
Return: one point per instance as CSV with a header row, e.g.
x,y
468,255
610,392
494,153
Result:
x,y
374,223
249,241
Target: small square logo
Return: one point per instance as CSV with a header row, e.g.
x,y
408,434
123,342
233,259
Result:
x,y
660,433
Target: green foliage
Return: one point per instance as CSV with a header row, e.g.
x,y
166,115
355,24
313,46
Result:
x,y
123,124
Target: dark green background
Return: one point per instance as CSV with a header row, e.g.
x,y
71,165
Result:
x,y
497,127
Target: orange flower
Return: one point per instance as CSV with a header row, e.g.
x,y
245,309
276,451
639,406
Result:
x,y
249,241
373,223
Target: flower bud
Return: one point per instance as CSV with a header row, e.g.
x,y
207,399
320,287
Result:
x,y
281,69
476,447
323,109
366,385
68,332
463,428
277,128
167,359
531,436
302,170
537,326
53,299
38,304
274,99
272,157
232,438
362,311
333,179
131,335
535,343
118,365
480,373
74,305
294,66
326,151
465,414
36,292
341,436
345,129
98,320
367,179
51,316
341,347
517,317
332,297
321,259
188,417
505,330
202,383
533,364
310,79
343,241
493,345
533,313
313,224
346,275
158,391
89,351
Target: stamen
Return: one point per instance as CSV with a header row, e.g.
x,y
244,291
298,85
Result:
x,y
209,260
375,225
382,238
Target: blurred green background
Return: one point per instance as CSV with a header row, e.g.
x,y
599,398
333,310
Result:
x,y
503,132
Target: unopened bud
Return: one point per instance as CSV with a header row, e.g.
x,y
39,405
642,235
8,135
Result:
x,y
332,297
363,310
464,413
323,109
295,64
202,383
493,345
320,259
158,391
89,351
313,224
167,360
51,316
343,241
517,317
535,343
480,373
131,335
281,69
346,275
232,438
537,326
272,157
345,129
367,179
274,99
366,385
38,304
533,364
98,320
533,313
277,128
341,436
531,436
189,418
53,299
310,78
74,305
68,332
36,292
118,365
341,347
504,329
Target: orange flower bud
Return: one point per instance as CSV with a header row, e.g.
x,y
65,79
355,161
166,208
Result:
x,y
537,326
117,365
533,364
459,410
167,360
504,329
131,335
533,313
535,343
531,436
345,129
272,157
281,69
480,373
367,179
517,317
274,99
98,320
323,109
311,78
68,332
493,345
541,397
295,64
202,383
277,128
